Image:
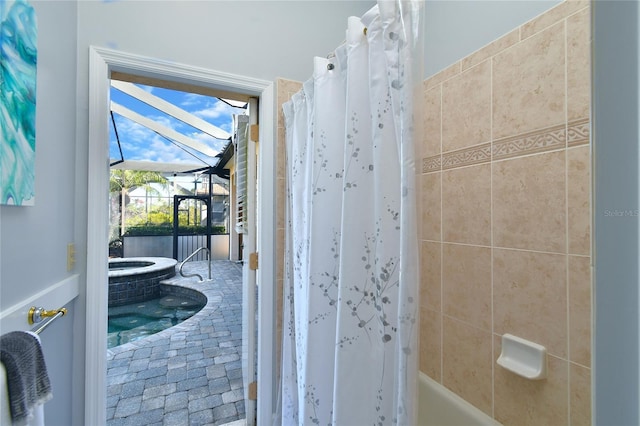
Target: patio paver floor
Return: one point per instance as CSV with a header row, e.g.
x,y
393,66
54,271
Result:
x,y
191,373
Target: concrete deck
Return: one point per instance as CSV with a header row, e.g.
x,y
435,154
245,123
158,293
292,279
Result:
x,y
191,373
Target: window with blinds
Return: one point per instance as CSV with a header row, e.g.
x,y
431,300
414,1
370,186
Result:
x,y
241,138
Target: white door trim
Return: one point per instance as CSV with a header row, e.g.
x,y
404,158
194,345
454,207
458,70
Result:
x,y
102,62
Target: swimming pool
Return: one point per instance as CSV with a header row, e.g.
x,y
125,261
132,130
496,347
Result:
x,y
131,322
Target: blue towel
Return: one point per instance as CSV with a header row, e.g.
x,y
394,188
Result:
x,y
27,379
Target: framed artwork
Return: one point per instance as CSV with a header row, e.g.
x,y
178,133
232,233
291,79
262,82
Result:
x,y
18,60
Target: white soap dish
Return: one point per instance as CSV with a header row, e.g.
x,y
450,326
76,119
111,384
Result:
x,y
524,358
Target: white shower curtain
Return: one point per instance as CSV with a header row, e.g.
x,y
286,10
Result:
x,y
351,303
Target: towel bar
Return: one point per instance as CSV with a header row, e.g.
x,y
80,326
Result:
x,y
37,315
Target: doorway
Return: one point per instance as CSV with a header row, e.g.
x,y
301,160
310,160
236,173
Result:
x,y
104,63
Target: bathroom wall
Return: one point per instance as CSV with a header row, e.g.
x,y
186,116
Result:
x,y
455,29
34,238
505,219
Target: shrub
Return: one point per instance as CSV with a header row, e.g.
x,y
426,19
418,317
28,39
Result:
x,y
153,230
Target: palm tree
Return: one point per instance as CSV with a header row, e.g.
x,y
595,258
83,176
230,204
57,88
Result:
x,y
124,181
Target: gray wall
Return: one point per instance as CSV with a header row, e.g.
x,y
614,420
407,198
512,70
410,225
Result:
x,y
262,39
455,29
34,239
616,253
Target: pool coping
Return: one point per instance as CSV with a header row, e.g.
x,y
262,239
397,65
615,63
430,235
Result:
x,y
159,264
206,288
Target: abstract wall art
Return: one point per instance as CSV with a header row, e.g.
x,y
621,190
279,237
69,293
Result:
x,y
18,60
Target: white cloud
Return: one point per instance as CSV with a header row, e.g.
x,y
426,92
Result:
x,y
217,144
191,99
148,89
216,110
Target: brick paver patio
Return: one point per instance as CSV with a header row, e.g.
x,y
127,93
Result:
x,y
191,373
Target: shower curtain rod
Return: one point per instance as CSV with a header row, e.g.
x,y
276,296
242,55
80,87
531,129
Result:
x,y
333,54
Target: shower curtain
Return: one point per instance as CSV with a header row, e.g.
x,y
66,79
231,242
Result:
x,y
350,311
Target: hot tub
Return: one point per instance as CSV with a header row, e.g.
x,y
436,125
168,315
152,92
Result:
x,y
136,279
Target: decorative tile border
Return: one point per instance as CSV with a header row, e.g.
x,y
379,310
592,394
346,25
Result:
x,y
465,157
431,164
542,140
551,138
578,132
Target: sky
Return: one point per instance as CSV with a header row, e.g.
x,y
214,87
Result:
x,y
141,143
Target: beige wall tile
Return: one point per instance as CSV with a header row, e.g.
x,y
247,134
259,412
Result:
x,y
530,297
431,343
543,140
578,65
432,164
281,165
466,284
491,49
529,203
552,16
580,395
466,108
432,122
467,362
280,202
580,310
466,205
430,205
522,402
578,132
578,199
280,246
476,154
445,74
529,84
430,275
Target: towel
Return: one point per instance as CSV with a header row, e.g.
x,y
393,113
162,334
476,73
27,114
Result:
x,y
27,379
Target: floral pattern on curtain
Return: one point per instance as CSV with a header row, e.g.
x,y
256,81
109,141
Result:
x,y
351,300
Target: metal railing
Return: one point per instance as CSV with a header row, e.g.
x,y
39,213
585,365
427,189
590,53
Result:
x,y
189,258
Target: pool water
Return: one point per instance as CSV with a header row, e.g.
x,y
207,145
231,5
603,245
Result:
x,y
128,323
